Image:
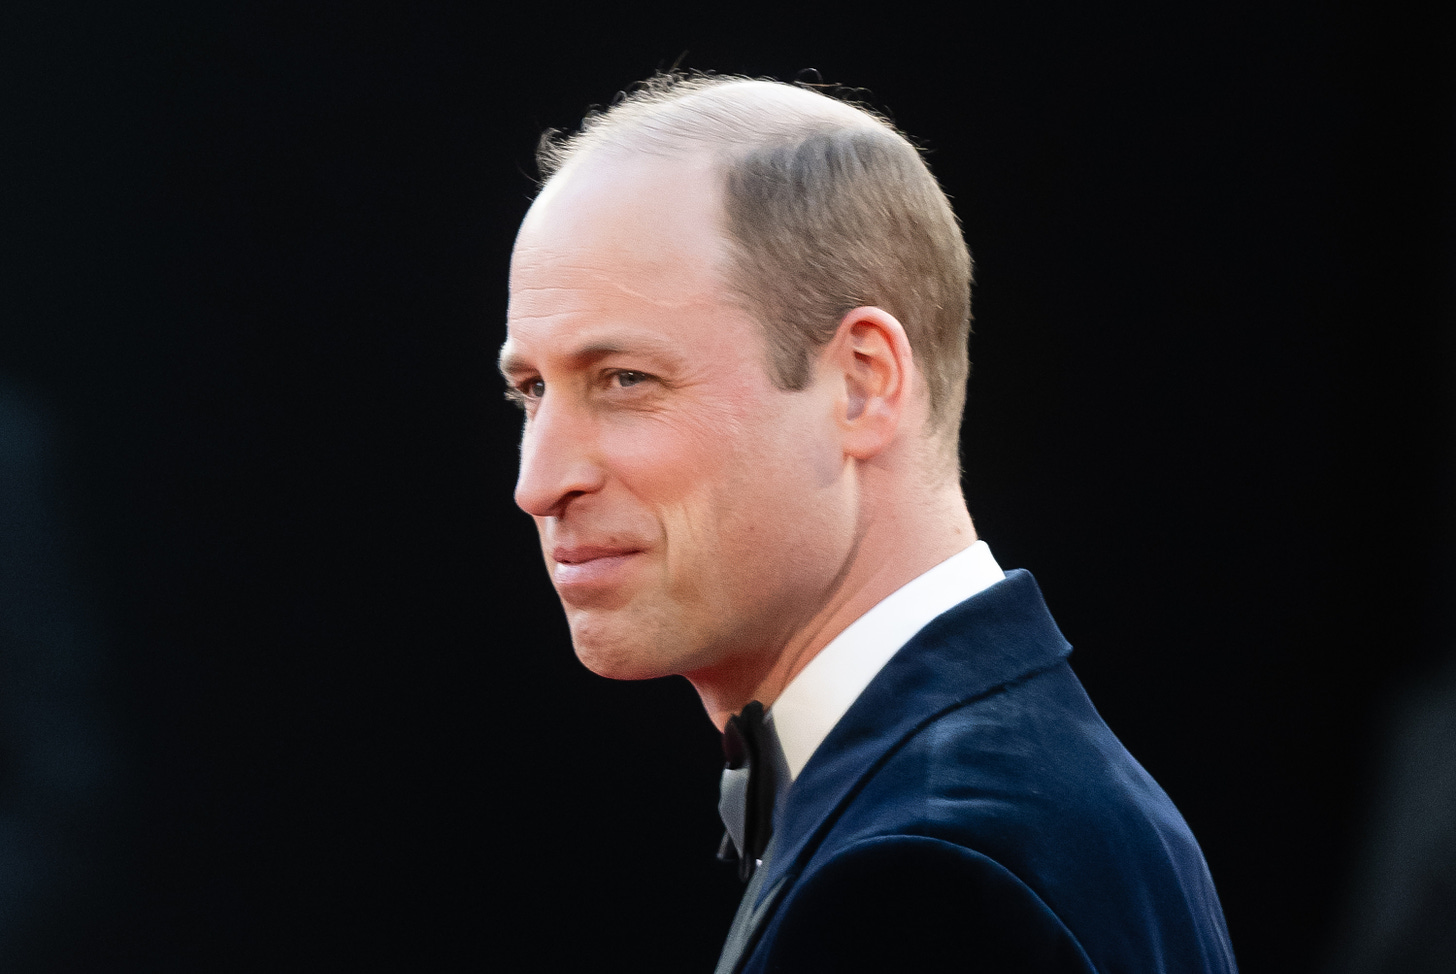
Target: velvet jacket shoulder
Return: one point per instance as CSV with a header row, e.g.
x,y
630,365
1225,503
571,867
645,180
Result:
x,y
971,809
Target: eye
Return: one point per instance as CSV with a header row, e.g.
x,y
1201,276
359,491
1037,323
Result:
x,y
526,392
627,377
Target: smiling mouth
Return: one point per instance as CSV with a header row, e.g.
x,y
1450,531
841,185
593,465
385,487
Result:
x,y
589,568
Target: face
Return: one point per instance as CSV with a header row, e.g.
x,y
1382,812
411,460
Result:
x,y
693,517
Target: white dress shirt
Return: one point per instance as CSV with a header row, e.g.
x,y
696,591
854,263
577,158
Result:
x,y
809,707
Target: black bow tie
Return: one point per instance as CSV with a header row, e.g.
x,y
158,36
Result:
x,y
746,793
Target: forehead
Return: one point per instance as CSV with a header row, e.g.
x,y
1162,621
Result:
x,y
624,212
618,241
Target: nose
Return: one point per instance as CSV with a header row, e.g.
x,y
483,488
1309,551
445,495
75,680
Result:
x,y
558,461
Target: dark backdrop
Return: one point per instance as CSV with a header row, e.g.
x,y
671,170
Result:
x,y
286,683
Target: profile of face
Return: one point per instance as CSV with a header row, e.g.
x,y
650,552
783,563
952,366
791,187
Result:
x,y
693,516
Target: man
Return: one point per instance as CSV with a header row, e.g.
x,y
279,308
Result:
x,y
738,324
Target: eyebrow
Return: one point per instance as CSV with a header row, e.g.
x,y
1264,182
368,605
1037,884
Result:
x,y
511,363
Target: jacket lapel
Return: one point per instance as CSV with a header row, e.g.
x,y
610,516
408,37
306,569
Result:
x,y
998,637
756,904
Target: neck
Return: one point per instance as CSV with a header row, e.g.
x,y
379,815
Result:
x,y
891,550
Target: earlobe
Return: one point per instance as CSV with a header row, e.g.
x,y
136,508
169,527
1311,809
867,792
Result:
x,y
873,355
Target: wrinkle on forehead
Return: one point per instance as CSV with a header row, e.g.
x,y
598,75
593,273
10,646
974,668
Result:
x,y
641,253
522,307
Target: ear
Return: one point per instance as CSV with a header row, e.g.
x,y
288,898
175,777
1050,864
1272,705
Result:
x,y
870,355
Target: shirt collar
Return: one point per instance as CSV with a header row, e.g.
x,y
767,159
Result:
x,y
809,707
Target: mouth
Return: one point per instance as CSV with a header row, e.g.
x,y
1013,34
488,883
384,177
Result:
x,y
585,567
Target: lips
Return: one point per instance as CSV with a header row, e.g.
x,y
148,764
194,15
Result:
x,y
581,568
564,554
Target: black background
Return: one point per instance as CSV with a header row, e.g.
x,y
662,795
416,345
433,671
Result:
x,y
254,264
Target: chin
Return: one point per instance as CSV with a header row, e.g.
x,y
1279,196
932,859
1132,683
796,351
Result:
x,y
616,666
617,658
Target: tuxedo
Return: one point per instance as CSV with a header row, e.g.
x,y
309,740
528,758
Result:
x,y
971,811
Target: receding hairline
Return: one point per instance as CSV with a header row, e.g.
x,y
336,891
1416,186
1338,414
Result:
x,y
720,117
806,105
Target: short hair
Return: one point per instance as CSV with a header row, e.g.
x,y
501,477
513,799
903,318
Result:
x,y
828,207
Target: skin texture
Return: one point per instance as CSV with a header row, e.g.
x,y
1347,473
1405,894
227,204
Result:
x,y
694,518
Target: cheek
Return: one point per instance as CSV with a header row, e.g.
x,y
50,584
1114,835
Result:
x,y
781,509
666,466
673,457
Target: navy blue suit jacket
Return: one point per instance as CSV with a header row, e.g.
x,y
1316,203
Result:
x,y
971,811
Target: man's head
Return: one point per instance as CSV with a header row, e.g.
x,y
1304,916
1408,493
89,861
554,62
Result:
x,y
710,502
826,207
